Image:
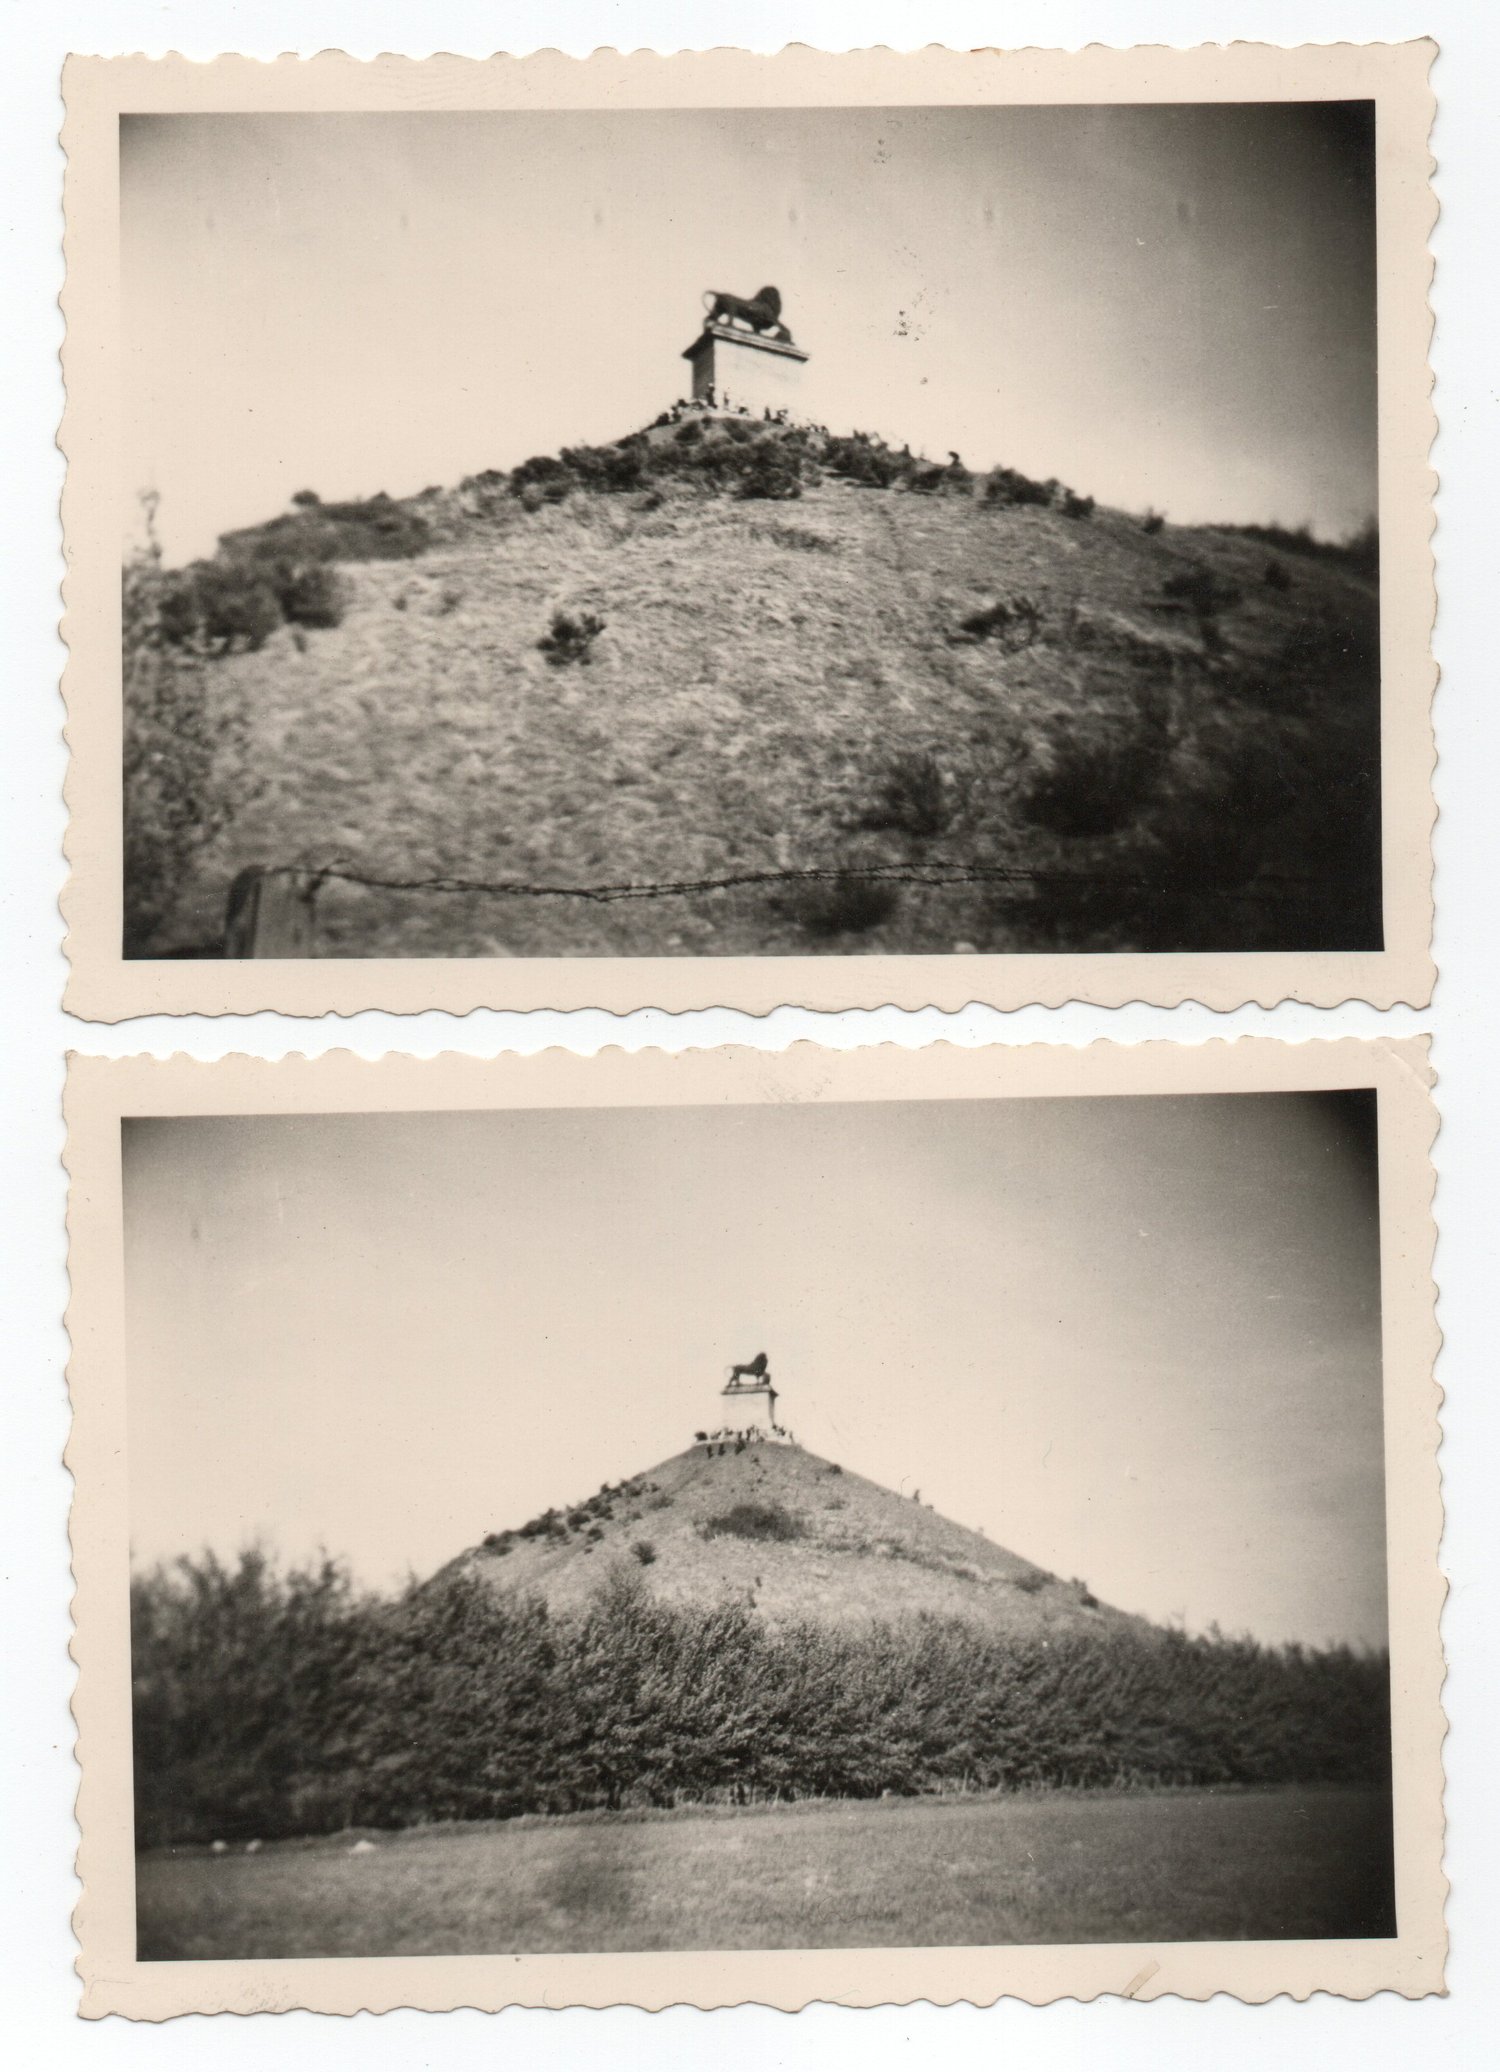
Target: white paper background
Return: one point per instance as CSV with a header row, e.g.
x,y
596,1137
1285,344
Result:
x,y
36,1773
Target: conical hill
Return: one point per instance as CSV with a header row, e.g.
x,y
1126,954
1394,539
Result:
x,y
787,1533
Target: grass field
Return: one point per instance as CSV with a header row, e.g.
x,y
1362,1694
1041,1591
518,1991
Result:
x,y
1061,1867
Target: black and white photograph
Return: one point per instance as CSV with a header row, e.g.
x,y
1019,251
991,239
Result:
x,y
741,775
734,533
588,1530
672,536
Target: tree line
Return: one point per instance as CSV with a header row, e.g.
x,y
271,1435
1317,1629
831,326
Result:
x,y
272,1703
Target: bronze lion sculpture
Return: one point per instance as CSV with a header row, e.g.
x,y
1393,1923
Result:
x,y
761,313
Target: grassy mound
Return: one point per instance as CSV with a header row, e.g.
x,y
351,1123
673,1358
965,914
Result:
x,y
978,711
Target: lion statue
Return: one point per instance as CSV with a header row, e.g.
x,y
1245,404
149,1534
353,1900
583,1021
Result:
x,y
761,313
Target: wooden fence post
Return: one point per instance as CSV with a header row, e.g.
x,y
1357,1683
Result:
x,y
270,913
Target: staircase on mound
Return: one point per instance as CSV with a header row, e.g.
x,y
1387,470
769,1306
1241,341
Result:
x,y
763,1522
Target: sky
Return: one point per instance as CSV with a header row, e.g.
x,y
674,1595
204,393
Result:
x,y
1136,1340
1166,306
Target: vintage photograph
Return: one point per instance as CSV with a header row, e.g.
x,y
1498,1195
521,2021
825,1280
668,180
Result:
x,y
1015,1575
513,574
762,535
593,1508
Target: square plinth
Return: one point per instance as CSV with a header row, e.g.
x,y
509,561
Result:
x,y
742,367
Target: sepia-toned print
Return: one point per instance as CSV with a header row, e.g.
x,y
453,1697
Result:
x,y
899,1505
810,550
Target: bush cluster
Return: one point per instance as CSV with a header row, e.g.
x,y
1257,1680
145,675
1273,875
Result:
x,y
1202,591
736,457
928,479
1102,772
309,593
1016,622
838,906
860,460
604,467
741,456
572,638
915,797
275,574
1359,552
219,607
868,460
1009,487
771,471
375,528
556,1524
182,736
270,1705
753,1521
545,473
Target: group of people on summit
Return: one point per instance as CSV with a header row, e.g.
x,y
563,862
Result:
x,y
728,1440
711,399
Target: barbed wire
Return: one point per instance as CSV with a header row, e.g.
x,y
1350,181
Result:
x,y
935,874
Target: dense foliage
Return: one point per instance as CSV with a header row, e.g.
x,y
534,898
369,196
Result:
x,y
181,733
1360,551
271,1704
375,528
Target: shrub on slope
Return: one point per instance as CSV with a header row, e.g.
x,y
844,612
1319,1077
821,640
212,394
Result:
x,y
753,1521
218,607
772,472
375,528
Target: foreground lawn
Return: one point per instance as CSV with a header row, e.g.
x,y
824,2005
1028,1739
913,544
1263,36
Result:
x,y
1164,1867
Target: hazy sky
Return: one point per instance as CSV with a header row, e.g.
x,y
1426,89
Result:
x,y
1168,305
1136,1340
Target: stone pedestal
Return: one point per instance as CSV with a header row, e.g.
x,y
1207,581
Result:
x,y
743,367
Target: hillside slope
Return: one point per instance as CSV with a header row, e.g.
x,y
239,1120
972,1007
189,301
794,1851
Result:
x,y
854,1552
1144,738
